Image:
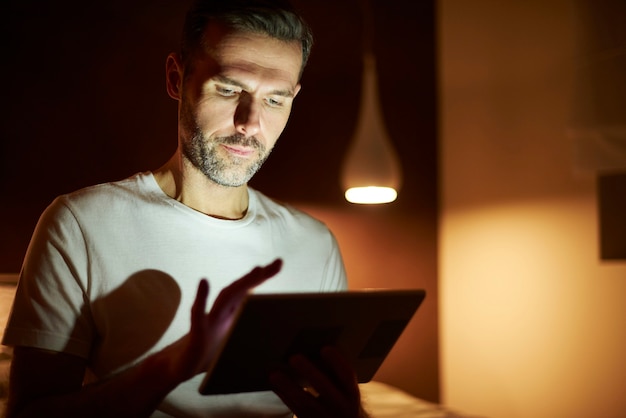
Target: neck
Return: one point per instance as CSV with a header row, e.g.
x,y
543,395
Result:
x,y
180,180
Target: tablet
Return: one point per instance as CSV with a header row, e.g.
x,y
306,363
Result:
x,y
269,328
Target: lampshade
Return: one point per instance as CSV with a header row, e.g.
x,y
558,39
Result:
x,y
371,172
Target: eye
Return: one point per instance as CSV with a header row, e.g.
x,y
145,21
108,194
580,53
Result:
x,y
273,102
227,91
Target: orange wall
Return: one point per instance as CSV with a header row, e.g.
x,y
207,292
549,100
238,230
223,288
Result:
x,y
533,323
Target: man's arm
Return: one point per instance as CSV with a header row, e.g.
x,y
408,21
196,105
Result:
x,y
44,383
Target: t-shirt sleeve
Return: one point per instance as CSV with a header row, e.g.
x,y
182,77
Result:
x,y
334,271
50,310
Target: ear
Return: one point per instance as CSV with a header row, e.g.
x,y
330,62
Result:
x,y
174,75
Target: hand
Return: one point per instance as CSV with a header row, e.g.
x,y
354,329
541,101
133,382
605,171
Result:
x,y
193,353
331,394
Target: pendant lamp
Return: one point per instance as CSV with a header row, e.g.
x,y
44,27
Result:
x,y
371,172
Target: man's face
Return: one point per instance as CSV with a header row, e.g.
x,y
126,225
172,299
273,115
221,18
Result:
x,y
235,102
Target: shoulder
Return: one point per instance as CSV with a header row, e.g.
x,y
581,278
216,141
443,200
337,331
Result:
x,y
98,202
135,186
99,199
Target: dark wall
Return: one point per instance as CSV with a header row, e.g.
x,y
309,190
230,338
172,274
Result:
x,y
84,102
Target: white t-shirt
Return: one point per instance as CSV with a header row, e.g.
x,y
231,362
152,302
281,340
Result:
x,y
112,271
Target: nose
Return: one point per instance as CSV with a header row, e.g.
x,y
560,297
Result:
x,y
247,116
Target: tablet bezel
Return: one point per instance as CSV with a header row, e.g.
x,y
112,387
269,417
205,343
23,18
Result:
x,y
363,324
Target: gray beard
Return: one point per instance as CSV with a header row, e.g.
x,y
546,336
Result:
x,y
225,171
202,152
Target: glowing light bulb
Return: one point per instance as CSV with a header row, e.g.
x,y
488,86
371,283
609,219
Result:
x,y
371,195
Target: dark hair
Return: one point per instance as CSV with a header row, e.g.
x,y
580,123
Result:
x,y
276,18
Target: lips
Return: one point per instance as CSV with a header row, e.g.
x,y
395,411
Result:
x,y
239,151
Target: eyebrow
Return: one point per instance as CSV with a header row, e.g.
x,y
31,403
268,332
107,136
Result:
x,y
227,80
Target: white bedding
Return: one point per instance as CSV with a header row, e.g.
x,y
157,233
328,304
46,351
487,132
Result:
x,y
385,401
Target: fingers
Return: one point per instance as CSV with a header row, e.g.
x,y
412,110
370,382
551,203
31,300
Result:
x,y
302,403
314,393
198,322
208,330
239,288
342,370
199,305
323,385
229,300
259,274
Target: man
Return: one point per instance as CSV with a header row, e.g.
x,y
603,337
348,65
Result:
x,y
101,324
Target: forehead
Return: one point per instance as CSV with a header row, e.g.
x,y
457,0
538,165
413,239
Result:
x,y
244,53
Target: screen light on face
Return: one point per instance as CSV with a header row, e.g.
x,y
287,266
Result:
x,y
371,195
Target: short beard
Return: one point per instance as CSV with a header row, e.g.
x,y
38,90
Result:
x,y
229,172
203,153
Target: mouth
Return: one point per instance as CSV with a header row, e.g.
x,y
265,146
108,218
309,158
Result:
x,y
243,152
